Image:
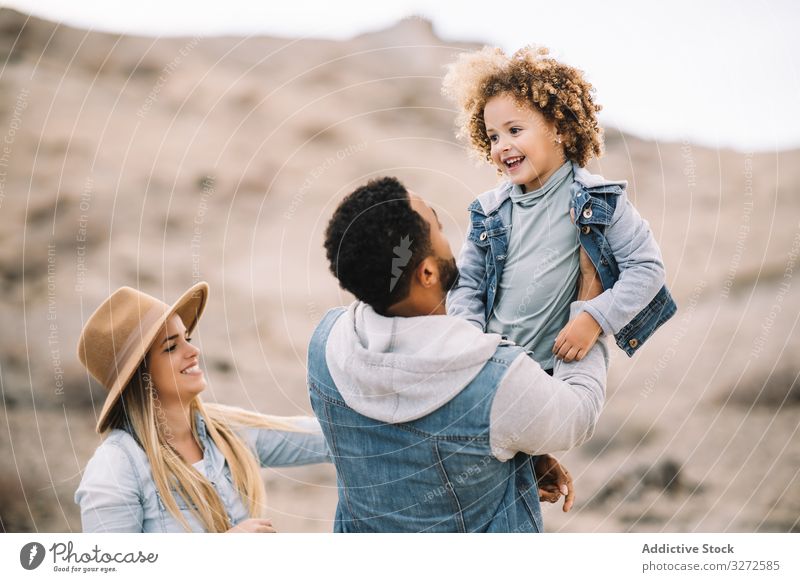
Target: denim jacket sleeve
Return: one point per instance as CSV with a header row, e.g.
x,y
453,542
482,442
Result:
x,y
467,299
641,268
109,493
278,448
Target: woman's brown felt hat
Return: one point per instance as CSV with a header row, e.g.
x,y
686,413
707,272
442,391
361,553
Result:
x,y
119,333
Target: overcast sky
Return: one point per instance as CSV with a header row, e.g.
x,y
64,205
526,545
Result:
x,y
720,73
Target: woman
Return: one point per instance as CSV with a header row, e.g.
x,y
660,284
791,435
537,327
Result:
x,y
169,462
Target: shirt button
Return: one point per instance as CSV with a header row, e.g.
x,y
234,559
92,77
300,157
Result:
x,y
585,229
587,213
633,343
483,235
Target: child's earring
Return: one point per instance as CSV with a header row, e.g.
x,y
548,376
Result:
x,y
558,140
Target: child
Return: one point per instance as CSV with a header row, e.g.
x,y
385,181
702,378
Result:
x,y
534,118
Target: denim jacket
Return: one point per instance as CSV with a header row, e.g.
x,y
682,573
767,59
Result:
x,y
117,492
635,300
434,473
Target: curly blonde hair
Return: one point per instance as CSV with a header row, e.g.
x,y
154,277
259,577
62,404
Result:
x,y
559,92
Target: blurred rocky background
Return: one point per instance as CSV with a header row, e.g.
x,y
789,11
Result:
x,y
156,163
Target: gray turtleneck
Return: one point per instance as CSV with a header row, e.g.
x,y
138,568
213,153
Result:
x,y
539,279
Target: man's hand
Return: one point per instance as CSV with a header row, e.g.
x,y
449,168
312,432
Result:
x,y
554,481
576,338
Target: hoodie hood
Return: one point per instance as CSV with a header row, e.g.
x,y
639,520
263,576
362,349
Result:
x,y
398,369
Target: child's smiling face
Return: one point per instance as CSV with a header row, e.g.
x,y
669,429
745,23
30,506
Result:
x,y
524,145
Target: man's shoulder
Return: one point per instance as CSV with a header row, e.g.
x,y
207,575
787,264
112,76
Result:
x,y
333,313
330,317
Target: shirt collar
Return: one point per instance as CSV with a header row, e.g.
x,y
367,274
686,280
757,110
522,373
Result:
x,y
553,183
214,459
200,423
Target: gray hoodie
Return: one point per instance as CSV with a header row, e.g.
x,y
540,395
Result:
x,y
432,358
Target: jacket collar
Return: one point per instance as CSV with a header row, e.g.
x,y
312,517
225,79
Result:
x,y
212,457
593,181
200,423
488,202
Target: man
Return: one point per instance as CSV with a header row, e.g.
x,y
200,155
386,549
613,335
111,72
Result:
x,y
432,424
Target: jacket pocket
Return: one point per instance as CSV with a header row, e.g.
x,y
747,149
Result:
x,y
595,211
478,234
168,522
180,501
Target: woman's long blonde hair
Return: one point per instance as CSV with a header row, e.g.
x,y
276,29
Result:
x,y
137,412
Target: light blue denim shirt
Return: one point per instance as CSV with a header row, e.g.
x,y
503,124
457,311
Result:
x,y
117,492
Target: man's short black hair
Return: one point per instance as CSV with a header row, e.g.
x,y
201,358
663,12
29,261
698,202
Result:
x,y
375,241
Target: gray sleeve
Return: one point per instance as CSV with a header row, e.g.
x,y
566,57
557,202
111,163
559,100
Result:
x,y
467,299
641,267
536,413
280,448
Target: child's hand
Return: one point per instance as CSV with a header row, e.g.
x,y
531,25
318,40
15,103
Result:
x,y
553,481
577,338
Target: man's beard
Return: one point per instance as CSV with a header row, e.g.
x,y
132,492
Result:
x,y
448,273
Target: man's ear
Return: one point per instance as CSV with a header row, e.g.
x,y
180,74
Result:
x,y
428,272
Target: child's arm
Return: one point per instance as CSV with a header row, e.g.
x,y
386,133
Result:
x,y
642,275
641,268
467,299
579,335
